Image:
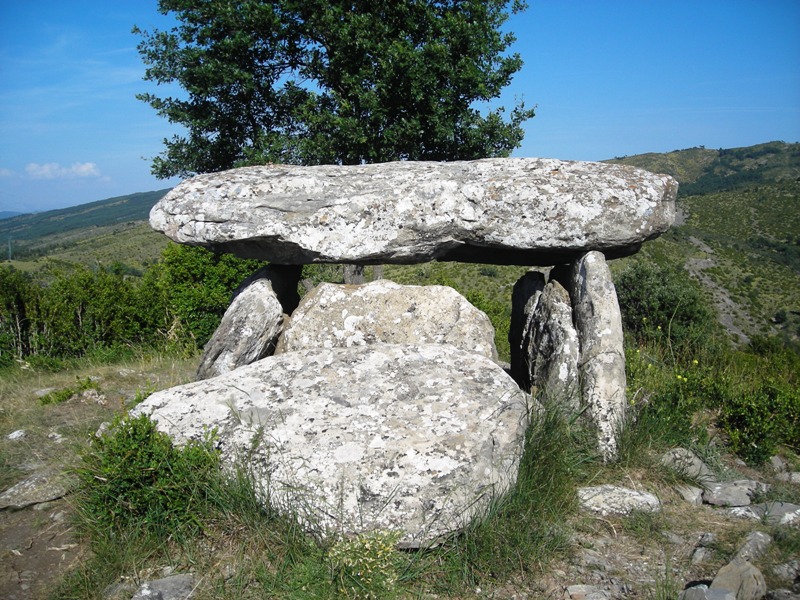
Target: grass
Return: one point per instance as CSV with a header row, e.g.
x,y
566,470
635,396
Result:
x,y
244,549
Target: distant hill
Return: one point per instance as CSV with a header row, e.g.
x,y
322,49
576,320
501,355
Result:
x,y
702,171
121,209
73,234
738,232
7,214
738,235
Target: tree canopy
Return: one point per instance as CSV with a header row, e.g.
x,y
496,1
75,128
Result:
x,y
332,82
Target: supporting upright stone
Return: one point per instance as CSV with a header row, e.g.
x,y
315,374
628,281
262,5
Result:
x,y
250,328
602,358
524,298
554,349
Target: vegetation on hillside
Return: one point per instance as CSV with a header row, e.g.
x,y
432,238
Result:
x,y
142,503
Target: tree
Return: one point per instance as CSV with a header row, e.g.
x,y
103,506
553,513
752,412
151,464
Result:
x,y
332,82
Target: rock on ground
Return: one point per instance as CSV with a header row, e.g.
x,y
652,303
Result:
x,y
741,578
384,312
615,500
411,438
522,211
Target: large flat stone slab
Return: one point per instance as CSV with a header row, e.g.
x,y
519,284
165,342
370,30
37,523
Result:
x,y
416,439
521,211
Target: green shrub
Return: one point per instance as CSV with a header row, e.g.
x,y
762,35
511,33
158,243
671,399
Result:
x,y
366,566
661,303
758,421
133,477
64,394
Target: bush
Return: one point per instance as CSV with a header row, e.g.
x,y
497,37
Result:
x,y
758,421
662,302
134,478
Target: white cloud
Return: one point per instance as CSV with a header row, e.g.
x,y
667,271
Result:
x,y
56,171
6,172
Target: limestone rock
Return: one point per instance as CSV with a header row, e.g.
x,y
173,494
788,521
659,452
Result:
x,y
385,312
702,592
602,356
248,331
778,513
616,500
687,463
741,578
755,546
174,587
732,493
394,437
42,486
524,298
554,349
523,211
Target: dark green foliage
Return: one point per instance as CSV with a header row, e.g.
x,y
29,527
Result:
x,y
758,420
64,394
499,314
134,478
198,285
663,302
16,292
331,82
175,306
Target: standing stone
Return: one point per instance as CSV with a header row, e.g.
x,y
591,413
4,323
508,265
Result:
x,y
554,349
385,312
602,360
524,298
417,439
522,211
250,328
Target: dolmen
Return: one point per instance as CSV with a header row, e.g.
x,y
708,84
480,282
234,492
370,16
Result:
x,y
384,407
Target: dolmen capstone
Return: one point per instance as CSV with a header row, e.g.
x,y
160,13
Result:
x,y
381,406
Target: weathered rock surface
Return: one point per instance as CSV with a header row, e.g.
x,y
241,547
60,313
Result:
x,y
688,464
741,578
602,357
411,438
521,211
732,493
524,298
42,486
554,349
174,587
249,329
755,546
616,500
384,312
778,513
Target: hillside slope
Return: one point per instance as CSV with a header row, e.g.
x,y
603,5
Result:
x,y
738,232
104,231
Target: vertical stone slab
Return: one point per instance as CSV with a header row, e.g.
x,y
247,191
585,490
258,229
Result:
x,y
554,350
602,357
250,328
524,298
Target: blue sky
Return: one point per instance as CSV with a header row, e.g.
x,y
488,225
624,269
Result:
x,y
609,77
